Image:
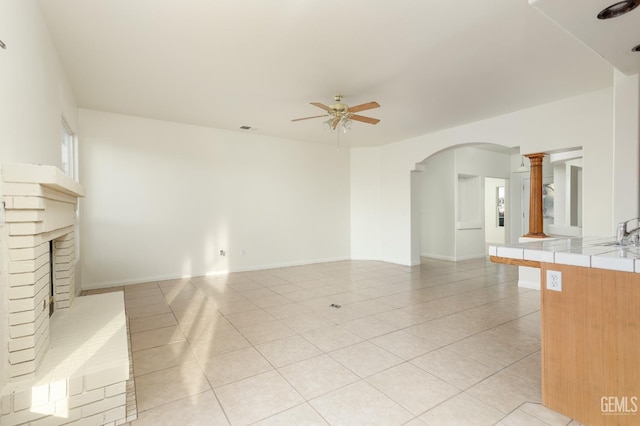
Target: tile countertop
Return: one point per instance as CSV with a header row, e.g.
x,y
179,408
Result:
x,y
588,252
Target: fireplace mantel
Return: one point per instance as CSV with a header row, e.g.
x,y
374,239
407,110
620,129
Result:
x,y
47,176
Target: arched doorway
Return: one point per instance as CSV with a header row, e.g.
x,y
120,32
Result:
x,y
455,194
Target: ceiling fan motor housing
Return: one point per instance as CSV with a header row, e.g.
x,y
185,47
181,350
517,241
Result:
x,y
339,107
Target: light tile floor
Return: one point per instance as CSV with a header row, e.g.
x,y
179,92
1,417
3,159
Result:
x,y
442,343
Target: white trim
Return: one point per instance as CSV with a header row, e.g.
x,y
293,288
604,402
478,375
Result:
x,y
454,258
532,285
118,283
438,257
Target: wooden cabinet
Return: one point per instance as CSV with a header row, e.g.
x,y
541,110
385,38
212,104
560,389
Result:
x,y
591,345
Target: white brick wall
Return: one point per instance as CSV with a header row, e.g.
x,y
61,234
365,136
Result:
x,y
81,380
92,407
36,214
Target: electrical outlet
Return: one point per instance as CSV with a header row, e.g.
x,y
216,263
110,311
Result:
x,y
223,253
554,280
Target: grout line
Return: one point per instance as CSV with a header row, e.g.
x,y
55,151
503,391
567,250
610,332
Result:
x,y
341,323
132,405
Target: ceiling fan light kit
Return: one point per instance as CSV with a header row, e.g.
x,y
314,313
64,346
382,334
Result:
x,y
340,114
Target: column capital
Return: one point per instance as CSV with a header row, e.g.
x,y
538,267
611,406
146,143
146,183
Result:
x,y
537,157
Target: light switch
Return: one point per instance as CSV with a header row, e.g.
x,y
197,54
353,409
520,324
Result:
x,y
554,280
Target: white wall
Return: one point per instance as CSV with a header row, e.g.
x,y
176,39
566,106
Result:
x,y
567,199
584,120
514,199
416,215
164,198
440,235
492,232
35,92
561,201
365,203
626,130
470,243
437,206
35,96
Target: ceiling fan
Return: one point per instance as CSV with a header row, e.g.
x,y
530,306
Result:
x,y
343,114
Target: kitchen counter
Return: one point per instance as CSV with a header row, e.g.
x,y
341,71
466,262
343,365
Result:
x,y
589,325
586,252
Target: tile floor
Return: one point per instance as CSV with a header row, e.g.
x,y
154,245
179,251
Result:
x,y
442,343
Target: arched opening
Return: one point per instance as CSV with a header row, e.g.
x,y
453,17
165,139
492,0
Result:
x,y
462,200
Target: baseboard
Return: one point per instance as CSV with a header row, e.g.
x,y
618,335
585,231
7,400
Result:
x,y
532,285
529,277
133,281
453,258
386,260
471,257
438,257
286,265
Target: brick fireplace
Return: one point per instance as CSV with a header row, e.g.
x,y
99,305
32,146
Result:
x,y
40,206
73,365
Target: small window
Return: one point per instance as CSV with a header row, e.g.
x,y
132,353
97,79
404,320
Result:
x,y
68,150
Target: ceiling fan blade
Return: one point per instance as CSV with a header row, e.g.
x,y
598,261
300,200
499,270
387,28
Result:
x,y
319,105
364,107
364,119
335,122
308,118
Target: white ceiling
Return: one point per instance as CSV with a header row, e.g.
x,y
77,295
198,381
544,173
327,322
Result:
x,y
227,63
613,39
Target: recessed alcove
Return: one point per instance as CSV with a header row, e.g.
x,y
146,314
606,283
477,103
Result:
x,y
469,206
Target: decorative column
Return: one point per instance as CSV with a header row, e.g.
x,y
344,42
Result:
x,y
535,197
